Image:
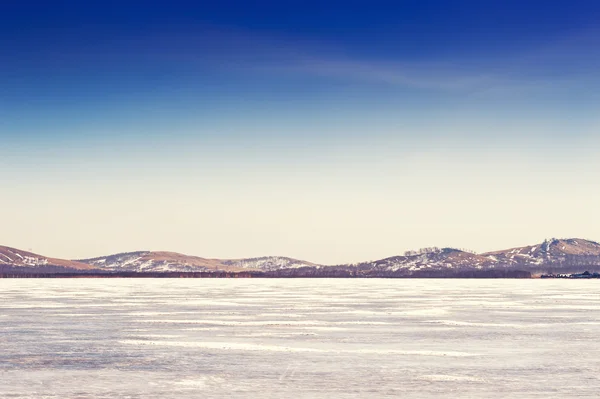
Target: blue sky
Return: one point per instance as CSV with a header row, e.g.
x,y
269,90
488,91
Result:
x,y
330,131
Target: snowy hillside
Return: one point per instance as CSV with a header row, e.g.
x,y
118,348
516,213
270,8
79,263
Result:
x,y
148,261
433,259
12,259
567,254
551,256
268,263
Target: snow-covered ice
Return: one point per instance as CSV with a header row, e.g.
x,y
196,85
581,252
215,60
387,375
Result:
x,y
301,338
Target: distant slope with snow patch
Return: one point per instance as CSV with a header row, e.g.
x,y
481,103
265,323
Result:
x,y
267,263
551,256
12,259
152,261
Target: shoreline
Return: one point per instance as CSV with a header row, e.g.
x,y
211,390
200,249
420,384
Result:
x,y
213,275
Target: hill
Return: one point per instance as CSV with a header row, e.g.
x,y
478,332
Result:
x,y
152,261
16,260
553,255
572,255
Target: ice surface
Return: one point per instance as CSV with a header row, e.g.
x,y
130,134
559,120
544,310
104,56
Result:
x,y
300,338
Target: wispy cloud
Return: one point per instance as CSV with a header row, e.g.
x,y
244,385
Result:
x,y
565,62
560,63
431,76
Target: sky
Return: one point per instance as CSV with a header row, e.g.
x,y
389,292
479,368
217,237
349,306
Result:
x,y
327,131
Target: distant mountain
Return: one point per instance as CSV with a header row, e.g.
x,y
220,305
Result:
x,y
425,261
149,261
269,263
554,255
571,255
16,260
550,249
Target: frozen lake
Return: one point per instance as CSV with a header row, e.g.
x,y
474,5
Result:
x,y
298,338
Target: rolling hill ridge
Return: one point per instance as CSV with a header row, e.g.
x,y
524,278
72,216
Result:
x,y
551,256
16,260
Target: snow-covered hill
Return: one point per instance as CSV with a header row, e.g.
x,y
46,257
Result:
x,y
149,261
12,259
551,256
267,263
433,259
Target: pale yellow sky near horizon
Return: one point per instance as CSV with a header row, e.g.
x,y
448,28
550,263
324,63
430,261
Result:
x,y
350,207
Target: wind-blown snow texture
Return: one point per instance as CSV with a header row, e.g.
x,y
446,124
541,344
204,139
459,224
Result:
x,y
298,338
